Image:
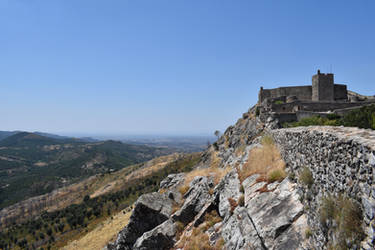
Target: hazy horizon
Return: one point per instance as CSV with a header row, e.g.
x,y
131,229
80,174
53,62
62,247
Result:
x,y
169,67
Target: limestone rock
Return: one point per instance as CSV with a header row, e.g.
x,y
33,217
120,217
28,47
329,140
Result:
x,y
195,199
229,187
150,211
274,212
159,238
239,232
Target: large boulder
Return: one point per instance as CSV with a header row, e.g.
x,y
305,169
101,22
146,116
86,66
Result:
x,y
195,199
159,238
171,184
228,188
150,211
239,232
275,215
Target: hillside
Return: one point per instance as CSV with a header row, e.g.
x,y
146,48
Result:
x,y
84,209
32,164
263,188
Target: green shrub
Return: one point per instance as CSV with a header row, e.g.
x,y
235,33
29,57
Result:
x,y
276,175
363,117
308,233
241,201
279,102
267,140
306,177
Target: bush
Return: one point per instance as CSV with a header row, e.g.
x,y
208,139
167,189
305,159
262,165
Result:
x,y
363,117
348,216
308,233
241,201
276,175
279,102
306,177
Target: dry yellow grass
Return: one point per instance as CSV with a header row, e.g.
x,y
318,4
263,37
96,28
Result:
x,y
214,171
265,160
102,234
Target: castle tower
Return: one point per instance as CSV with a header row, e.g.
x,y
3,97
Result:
x,y
322,87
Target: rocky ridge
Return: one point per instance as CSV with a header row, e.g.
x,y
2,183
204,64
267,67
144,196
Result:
x,y
252,212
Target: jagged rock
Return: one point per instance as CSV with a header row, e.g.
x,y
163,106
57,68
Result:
x,y
159,238
274,212
239,232
150,211
293,237
171,183
229,187
172,180
195,199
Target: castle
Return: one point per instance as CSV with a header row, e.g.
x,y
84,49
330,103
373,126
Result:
x,y
322,97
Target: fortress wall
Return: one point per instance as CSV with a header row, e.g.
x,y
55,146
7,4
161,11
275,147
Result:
x,y
302,92
341,160
340,92
326,106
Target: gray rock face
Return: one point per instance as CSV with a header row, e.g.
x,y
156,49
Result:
x,y
150,211
239,232
195,199
274,212
275,217
172,180
159,238
171,183
229,187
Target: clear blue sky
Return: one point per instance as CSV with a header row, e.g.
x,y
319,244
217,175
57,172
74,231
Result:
x,y
169,67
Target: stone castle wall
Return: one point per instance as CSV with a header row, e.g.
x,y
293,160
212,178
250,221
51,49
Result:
x,y
342,160
302,92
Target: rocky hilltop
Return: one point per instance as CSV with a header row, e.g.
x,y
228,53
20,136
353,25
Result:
x,y
259,187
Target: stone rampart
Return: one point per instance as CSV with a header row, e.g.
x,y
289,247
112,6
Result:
x,y
341,160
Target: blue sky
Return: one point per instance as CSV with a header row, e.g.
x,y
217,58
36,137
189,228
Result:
x,y
169,66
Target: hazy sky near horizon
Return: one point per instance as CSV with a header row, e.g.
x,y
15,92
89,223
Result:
x,y
169,66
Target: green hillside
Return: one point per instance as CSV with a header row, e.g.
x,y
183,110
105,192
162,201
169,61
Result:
x,y
31,164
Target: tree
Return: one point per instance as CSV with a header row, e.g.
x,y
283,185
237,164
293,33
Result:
x,y
217,134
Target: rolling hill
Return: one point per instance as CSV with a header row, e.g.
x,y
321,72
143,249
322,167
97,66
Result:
x,y
32,164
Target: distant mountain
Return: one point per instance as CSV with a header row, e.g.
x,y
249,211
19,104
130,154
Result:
x,y
5,134
22,139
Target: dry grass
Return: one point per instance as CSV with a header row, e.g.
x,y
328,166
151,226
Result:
x,y
210,219
266,161
199,239
347,214
102,234
233,204
213,171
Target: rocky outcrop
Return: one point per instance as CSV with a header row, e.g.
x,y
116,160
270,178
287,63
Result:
x,y
254,213
150,211
195,199
228,188
159,238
